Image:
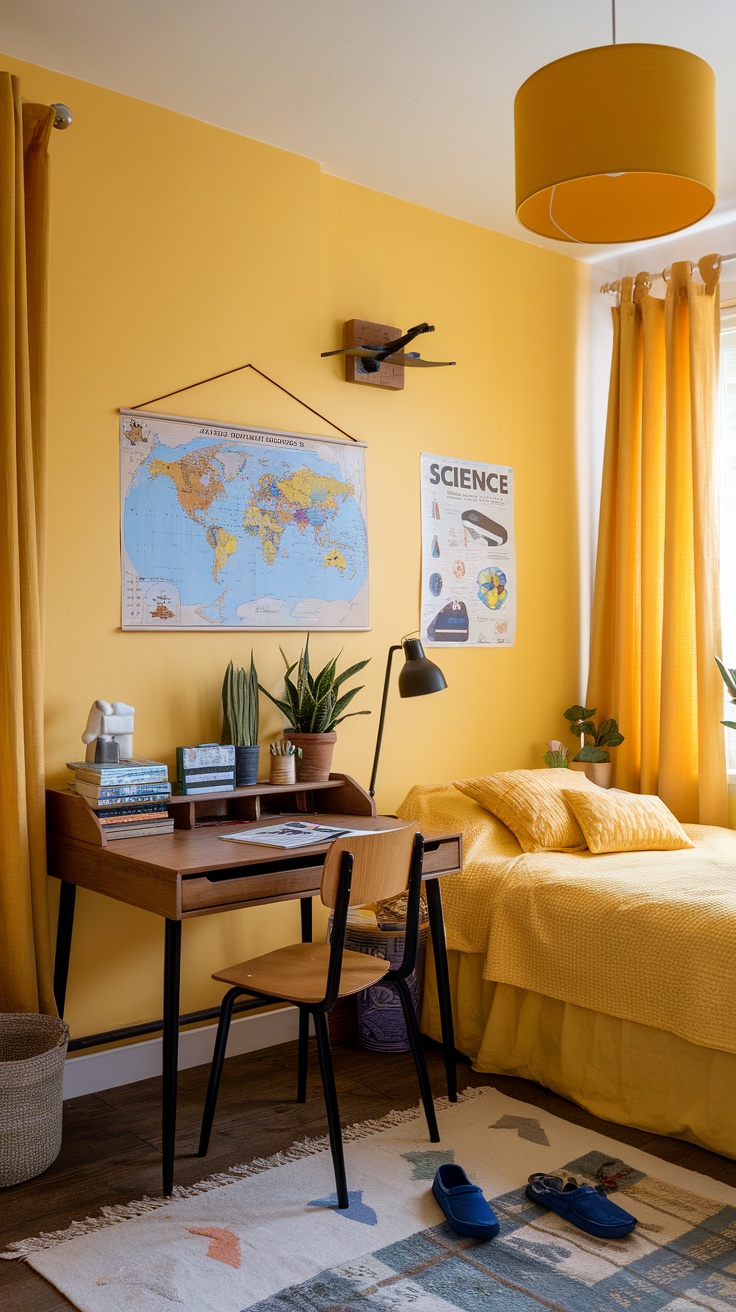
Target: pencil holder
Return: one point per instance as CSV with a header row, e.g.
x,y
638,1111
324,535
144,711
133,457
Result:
x,y
283,770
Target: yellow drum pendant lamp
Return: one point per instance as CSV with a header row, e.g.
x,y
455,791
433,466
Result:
x,y
616,144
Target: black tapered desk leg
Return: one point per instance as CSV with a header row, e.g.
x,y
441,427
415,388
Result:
x,y
172,971
439,948
305,906
303,1066
64,927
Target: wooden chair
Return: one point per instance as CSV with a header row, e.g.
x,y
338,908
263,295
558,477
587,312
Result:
x,y
357,870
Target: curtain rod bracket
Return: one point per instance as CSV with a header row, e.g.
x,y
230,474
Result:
x,y
63,117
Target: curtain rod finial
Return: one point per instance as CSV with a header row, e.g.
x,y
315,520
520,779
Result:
x,y
63,117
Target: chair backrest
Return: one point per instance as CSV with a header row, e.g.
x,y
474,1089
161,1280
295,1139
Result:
x,y
381,865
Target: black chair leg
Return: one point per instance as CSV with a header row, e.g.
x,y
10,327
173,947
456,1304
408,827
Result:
x,y
420,1061
333,1111
218,1057
301,1084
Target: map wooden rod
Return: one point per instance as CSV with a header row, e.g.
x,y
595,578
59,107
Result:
x,y
238,369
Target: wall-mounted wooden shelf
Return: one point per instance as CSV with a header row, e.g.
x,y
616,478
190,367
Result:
x,y
362,332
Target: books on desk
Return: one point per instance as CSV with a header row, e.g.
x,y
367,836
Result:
x,y
163,826
121,774
129,798
100,795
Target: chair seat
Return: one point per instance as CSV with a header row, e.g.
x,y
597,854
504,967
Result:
x,y
299,972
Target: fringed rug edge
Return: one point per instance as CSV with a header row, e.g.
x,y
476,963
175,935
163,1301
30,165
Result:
x,y
21,1249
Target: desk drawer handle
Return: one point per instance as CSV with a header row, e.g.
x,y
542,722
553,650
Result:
x,y
266,868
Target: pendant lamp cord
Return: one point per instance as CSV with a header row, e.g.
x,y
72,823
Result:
x,y
569,235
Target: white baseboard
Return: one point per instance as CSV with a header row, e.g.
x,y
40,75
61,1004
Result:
x,y
94,1071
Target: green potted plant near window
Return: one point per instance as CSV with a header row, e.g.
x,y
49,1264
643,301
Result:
x,y
314,707
240,721
593,757
729,678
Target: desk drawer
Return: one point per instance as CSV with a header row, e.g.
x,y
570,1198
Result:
x,y
445,856
198,893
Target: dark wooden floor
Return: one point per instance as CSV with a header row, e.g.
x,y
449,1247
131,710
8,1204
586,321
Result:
x,y
110,1152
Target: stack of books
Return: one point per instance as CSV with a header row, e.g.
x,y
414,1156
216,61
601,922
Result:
x,y
129,798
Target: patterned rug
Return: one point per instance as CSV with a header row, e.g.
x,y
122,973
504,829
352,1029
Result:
x,y
268,1237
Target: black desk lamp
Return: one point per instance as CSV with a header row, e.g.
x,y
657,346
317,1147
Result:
x,y
418,677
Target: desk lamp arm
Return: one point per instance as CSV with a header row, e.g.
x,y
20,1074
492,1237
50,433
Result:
x,y
382,717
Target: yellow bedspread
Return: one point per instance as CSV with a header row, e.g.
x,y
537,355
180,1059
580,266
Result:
x,y
646,936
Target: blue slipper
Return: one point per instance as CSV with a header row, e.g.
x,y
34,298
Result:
x,y
588,1208
463,1203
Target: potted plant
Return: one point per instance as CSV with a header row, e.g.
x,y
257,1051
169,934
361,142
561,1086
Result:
x,y
240,720
729,678
556,756
593,757
314,708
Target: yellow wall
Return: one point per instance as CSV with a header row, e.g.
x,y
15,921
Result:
x,y
179,250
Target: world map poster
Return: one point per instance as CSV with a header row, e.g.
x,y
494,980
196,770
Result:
x,y
226,527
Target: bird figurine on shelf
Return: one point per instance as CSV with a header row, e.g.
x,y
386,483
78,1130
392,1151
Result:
x,y
367,344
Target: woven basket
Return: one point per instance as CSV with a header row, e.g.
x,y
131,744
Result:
x,y
380,930
32,1054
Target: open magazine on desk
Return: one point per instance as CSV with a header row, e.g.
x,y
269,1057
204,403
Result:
x,y
291,833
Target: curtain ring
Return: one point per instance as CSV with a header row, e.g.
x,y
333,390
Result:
x,y
642,287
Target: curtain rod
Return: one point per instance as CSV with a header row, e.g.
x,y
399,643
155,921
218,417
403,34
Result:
x,y
613,288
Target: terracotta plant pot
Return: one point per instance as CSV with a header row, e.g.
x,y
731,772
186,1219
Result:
x,y
599,772
316,759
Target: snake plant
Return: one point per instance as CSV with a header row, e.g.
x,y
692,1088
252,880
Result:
x,y
240,706
311,703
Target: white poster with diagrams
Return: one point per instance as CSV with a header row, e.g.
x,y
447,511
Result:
x,y
468,559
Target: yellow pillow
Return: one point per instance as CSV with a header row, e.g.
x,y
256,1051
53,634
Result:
x,y
531,804
626,822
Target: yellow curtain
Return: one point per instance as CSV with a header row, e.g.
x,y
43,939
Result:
x,y
25,956
656,611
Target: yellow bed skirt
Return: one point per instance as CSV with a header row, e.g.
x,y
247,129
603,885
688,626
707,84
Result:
x,y
617,1069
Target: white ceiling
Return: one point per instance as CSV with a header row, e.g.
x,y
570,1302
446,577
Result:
x,y
410,97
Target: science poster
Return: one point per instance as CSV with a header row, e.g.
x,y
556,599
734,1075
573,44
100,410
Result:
x,y
468,560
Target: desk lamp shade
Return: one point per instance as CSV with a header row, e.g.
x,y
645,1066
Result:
x,y
616,144
419,675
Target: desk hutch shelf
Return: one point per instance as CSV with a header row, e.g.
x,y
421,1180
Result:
x,y
70,813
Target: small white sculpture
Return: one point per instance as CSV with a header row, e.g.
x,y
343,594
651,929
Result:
x,y
111,722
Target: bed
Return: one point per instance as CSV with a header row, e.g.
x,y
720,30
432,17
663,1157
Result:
x,y
609,979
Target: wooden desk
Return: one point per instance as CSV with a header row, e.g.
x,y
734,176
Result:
x,y
191,872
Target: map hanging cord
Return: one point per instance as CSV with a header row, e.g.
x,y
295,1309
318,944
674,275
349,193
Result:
x,y
238,368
